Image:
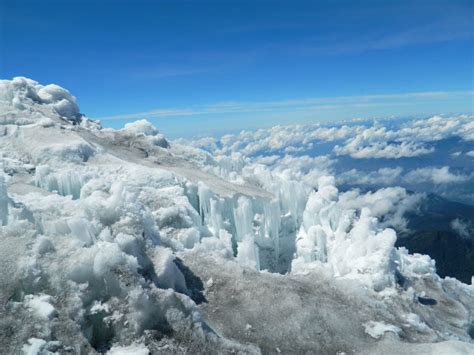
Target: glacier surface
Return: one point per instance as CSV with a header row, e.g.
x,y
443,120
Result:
x,y
122,242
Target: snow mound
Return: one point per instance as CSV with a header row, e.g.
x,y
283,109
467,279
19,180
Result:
x,y
23,94
136,349
378,329
145,129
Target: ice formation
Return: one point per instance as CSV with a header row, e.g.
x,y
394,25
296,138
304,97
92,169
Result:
x,y
95,225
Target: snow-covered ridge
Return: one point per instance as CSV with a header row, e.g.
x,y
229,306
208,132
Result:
x,y
95,225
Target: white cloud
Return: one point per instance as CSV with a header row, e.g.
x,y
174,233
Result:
x,y
464,229
439,127
382,176
413,138
434,175
382,149
388,204
346,146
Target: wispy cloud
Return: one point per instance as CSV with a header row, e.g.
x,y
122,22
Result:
x,y
305,104
420,35
167,72
195,63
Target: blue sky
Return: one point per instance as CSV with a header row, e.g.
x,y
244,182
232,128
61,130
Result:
x,y
203,67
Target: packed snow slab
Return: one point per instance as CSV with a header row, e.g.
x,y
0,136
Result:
x,y
451,347
317,314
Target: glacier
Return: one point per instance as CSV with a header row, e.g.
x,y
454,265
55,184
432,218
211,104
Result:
x,y
124,242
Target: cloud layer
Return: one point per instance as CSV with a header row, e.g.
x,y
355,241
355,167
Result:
x,y
428,155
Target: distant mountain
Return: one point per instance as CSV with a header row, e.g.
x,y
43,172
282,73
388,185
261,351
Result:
x,y
431,233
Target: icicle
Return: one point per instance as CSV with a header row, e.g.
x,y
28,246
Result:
x,y
215,220
3,201
204,194
247,250
272,224
243,217
64,183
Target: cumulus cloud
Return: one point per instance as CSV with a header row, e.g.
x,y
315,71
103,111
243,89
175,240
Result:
x,y
467,131
463,228
439,127
388,204
401,152
434,175
382,149
382,176
290,139
411,139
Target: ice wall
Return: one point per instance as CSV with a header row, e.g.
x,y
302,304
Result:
x,y
65,182
254,224
310,225
231,216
